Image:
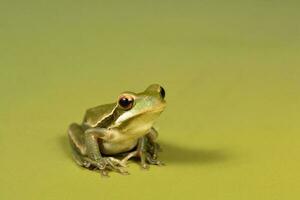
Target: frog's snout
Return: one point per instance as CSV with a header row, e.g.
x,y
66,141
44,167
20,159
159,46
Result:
x,y
157,89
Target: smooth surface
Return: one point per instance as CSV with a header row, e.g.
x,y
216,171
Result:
x,y
231,73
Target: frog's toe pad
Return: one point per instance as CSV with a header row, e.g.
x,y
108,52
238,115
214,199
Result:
x,y
145,166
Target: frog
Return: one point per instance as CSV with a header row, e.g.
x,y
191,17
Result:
x,y
112,134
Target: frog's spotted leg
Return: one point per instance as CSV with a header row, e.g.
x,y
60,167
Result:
x,y
86,152
145,154
154,148
75,134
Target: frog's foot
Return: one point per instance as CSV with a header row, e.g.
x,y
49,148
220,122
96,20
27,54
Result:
x,y
153,149
106,164
147,158
147,152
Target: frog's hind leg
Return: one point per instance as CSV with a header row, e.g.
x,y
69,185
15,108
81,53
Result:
x,y
80,160
153,146
76,138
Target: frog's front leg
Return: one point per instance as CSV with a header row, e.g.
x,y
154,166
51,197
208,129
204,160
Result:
x,y
93,151
86,151
143,153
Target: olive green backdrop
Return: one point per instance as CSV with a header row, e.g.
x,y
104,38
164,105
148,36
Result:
x,y
230,70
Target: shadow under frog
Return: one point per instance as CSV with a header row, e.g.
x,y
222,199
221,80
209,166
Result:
x,y
174,154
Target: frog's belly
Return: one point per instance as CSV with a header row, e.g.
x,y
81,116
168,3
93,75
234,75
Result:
x,y
122,140
111,148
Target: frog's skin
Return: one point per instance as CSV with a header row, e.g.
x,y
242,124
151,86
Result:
x,y
122,129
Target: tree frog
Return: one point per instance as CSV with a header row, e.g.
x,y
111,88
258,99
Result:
x,y
113,133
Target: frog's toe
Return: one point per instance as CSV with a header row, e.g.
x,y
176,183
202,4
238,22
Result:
x,y
113,164
124,172
119,169
157,162
153,160
104,173
86,164
154,156
124,164
145,166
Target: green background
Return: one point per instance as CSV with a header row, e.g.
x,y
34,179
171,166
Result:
x,y
230,70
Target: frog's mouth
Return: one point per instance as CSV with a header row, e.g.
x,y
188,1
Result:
x,y
148,112
158,109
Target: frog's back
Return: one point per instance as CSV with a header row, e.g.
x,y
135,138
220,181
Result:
x,y
99,115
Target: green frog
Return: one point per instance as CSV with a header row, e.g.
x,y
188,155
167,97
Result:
x,y
113,133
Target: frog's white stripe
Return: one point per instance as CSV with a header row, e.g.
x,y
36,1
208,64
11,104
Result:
x,y
123,117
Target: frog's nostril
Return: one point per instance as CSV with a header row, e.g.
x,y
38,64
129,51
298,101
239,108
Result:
x,y
162,92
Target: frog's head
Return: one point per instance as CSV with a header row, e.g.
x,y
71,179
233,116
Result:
x,y
138,111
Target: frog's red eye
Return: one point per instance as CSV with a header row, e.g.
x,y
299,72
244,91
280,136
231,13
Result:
x,y
126,102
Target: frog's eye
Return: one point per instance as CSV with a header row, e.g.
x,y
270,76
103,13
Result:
x,y
126,102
